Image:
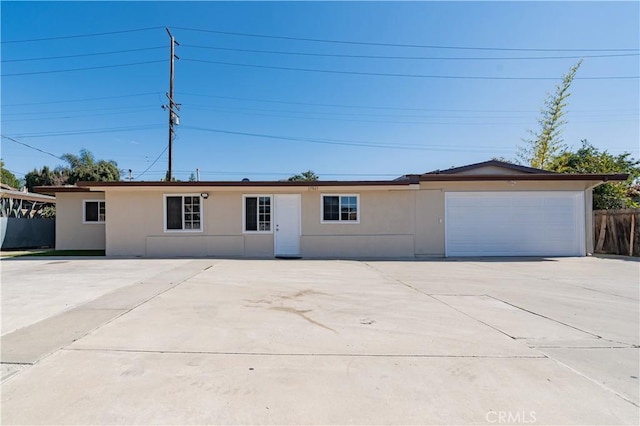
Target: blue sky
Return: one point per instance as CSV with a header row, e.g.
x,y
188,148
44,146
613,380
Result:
x,y
267,123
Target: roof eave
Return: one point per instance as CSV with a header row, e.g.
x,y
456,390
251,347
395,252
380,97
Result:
x,y
121,184
528,177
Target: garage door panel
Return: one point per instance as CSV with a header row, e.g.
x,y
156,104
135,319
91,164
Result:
x,y
515,223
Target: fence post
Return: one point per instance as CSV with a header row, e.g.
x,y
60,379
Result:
x,y
603,229
633,230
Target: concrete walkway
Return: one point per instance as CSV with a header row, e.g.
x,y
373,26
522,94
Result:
x,y
336,342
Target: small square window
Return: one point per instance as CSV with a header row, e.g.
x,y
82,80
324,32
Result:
x,y
340,208
94,211
183,213
257,213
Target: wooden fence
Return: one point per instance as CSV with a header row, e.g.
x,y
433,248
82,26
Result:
x,y
617,231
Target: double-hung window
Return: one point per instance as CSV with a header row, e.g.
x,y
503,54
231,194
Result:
x,y
341,208
257,213
183,213
94,211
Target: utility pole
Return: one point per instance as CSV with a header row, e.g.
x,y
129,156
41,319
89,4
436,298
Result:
x,y
173,107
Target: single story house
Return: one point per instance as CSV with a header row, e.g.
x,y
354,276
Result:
x,y
486,209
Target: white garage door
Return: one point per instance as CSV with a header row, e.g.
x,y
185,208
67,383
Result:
x,y
532,223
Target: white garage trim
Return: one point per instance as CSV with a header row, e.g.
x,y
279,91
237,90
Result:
x,y
515,223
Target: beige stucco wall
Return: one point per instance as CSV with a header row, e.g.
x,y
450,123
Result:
x,y
135,226
386,228
394,221
71,233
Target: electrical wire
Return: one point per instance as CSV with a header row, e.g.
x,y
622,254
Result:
x,y
447,77
430,58
64,117
426,46
32,147
367,106
83,54
90,131
84,99
124,107
152,164
82,69
79,35
340,142
426,123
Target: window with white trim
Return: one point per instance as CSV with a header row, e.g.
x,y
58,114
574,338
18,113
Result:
x,y
94,211
341,208
183,213
257,213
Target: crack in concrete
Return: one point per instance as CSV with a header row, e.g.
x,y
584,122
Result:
x,y
545,356
596,382
173,352
436,299
41,356
563,282
543,316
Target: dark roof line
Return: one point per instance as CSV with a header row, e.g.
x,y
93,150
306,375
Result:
x,y
434,177
251,183
496,163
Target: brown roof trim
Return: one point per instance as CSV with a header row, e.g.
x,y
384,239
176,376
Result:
x,y
245,184
55,189
532,177
494,163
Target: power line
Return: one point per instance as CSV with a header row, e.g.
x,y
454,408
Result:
x,y
342,142
254,173
340,113
367,106
129,107
14,172
154,162
84,99
32,147
426,46
82,69
90,131
125,107
82,54
40,118
440,58
448,77
79,35
380,121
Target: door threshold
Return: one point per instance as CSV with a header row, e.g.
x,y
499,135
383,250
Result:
x,y
285,256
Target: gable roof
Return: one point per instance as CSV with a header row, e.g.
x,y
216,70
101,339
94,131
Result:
x,y
490,163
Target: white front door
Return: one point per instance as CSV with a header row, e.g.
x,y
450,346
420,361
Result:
x,y
287,221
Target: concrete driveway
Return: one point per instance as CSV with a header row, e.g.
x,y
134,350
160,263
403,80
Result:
x,y
207,341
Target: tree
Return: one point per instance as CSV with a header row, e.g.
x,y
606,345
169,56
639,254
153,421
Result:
x,y
85,168
307,176
589,159
7,177
546,143
45,177
79,168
